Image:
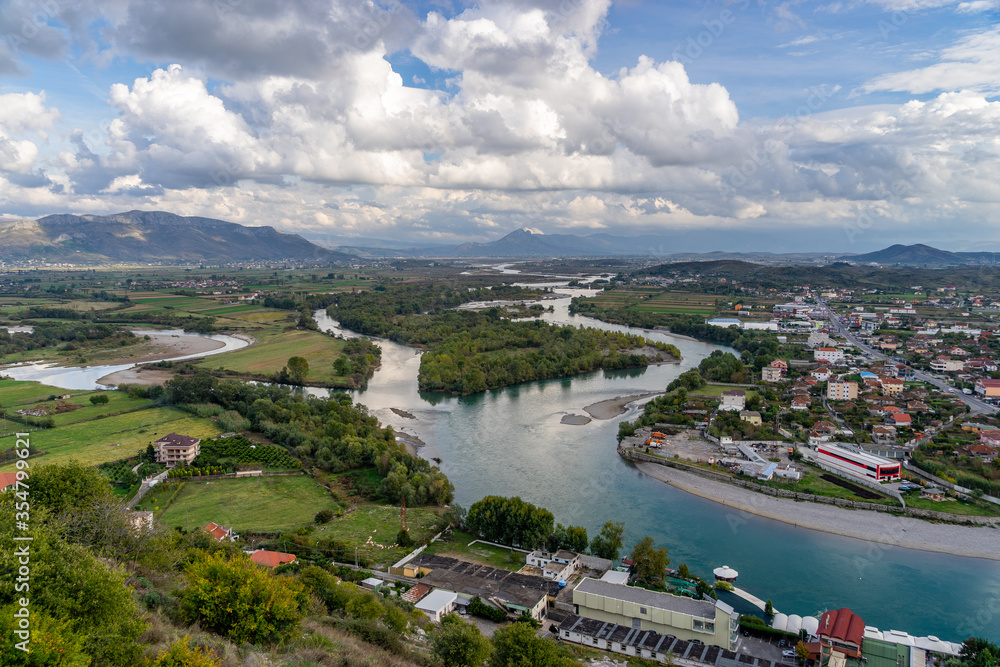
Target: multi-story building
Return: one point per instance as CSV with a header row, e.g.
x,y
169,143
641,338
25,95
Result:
x,y
707,621
988,388
733,399
174,449
841,391
831,354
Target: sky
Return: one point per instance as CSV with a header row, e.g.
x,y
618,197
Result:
x,y
743,125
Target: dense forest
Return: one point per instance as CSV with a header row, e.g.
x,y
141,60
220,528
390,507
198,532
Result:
x,y
472,351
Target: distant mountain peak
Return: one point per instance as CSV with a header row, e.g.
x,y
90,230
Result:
x,y
919,254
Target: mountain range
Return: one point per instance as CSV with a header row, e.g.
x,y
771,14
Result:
x,y
922,255
152,236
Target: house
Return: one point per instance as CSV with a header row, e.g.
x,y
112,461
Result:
x,y
271,558
917,406
751,416
801,403
984,452
638,609
988,388
557,566
780,364
733,399
990,438
8,480
884,435
822,374
830,354
943,364
892,386
771,374
372,583
437,604
899,420
841,391
825,427
841,633
220,533
174,449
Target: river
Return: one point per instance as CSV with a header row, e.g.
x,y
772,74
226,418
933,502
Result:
x,y
86,377
510,442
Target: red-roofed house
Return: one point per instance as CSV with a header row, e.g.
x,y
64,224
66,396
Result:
x,y
415,594
981,451
220,533
897,419
271,558
840,631
7,480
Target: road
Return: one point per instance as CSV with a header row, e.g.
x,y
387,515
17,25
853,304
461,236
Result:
x,y
976,406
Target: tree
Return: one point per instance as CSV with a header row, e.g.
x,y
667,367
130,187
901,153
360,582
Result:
x,y
769,608
802,651
241,600
978,652
608,543
460,644
517,645
648,562
99,399
324,516
68,486
342,366
61,646
298,369
510,521
683,572
576,539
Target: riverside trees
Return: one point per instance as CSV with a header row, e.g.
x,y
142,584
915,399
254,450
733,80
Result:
x,y
470,351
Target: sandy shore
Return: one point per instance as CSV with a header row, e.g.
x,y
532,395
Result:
x,y
887,530
164,346
136,376
613,407
575,420
411,442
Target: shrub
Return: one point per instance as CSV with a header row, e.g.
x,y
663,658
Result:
x,y
180,654
324,516
479,608
241,600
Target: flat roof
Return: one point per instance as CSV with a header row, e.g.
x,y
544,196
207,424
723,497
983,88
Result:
x,y
436,600
699,608
615,577
861,457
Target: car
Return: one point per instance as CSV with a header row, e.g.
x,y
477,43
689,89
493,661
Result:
x,y
782,643
788,654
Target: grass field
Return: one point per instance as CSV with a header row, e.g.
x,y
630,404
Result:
x,y
273,349
102,440
381,524
975,508
457,546
717,389
263,504
16,393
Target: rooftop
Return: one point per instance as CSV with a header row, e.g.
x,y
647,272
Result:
x,y
176,440
699,608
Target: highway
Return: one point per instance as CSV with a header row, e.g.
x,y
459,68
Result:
x,y
976,406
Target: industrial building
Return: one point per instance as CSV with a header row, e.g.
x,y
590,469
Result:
x,y
858,463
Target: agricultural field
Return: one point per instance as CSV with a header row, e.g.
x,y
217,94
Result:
x,y
381,524
655,300
716,390
273,349
100,440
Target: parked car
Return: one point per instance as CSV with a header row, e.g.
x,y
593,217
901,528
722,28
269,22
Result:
x,y
788,654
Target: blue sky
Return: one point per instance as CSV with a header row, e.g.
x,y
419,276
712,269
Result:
x,y
748,125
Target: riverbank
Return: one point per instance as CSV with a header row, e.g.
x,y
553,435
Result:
x,y
613,407
885,529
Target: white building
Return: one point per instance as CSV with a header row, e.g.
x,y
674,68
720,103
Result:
x,y
857,463
437,603
733,399
830,354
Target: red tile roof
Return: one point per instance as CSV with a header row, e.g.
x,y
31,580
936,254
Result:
x,y
842,624
271,558
218,532
7,479
416,593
